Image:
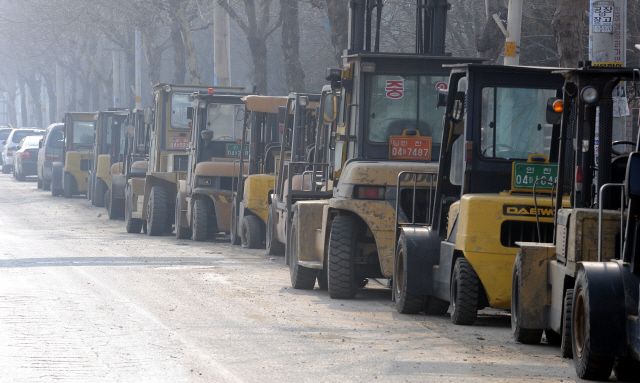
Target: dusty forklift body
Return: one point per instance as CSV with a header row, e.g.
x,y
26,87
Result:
x,y
250,209
106,152
582,290
70,176
386,101
203,199
457,237
151,199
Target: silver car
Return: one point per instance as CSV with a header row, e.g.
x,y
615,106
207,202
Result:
x,y
11,143
51,150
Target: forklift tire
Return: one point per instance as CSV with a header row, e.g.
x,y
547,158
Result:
x,y
565,345
56,192
233,230
39,184
302,278
274,247
99,192
251,234
133,225
157,212
46,185
68,186
464,293
199,220
627,369
342,279
588,365
113,205
522,335
181,232
405,303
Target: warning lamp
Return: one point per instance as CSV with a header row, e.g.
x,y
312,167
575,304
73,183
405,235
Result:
x,y
210,90
370,192
558,106
579,174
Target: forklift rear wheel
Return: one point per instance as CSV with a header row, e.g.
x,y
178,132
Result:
x,y
251,234
342,279
565,345
233,230
405,303
46,185
522,335
133,225
181,232
68,186
464,293
302,278
274,247
157,211
199,220
39,184
627,369
589,366
99,191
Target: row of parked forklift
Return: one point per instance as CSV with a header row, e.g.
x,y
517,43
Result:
x,y
463,185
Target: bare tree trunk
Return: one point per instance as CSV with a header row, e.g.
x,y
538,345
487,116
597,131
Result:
x,y
51,95
188,48
35,86
490,41
179,69
10,87
73,96
568,27
259,59
153,53
23,104
293,71
338,21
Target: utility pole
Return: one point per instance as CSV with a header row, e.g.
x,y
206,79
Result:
x,y
60,99
115,55
138,70
607,48
514,29
221,45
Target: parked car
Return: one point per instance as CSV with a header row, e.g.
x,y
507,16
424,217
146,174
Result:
x,y
25,158
11,143
4,134
51,149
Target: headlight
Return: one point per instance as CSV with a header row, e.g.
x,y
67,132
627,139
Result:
x,y
589,95
205,181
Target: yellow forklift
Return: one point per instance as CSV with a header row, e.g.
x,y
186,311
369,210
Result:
x,y
203,198
457,238
582,289
150,199
106,152
70,176
250,209
386,100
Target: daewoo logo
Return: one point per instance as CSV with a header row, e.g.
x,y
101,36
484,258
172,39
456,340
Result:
x,y
529,211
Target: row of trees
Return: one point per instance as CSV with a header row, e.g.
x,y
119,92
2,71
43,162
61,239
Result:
x,y
276,46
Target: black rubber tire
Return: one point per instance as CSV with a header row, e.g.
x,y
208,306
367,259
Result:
x,y
302,278
233,229
274,247
566,350
435,306
46,185
39,184
323,280
5,169
627,369
199,220
212,223
157,211
251,234
342,278
56,192
133,225
522,335
68,186
405,303
465,287
589,366
19,176
113,205
181,232
99,192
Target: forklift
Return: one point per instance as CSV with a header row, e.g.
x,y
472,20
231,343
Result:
x,y
385,100
203,198
250,206
70,176
582,289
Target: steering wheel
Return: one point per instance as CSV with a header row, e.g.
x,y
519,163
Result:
x,y
615,152
497,146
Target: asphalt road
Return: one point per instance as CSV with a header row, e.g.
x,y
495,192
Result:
x,y
83,301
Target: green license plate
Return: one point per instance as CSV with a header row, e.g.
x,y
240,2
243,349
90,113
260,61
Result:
x,y
525,175
233,150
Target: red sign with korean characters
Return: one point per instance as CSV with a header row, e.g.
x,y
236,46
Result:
x,y
410,148
178,143
394,89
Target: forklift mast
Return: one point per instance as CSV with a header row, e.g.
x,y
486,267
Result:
x,y
431,24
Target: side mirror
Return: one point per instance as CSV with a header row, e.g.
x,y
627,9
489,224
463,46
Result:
x,y
148,115
458,106
207,135
140,149
632,179
554,110
442,97
190,113
330,108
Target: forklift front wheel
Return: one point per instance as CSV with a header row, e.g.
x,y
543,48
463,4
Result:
x,y
464,293
405,303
